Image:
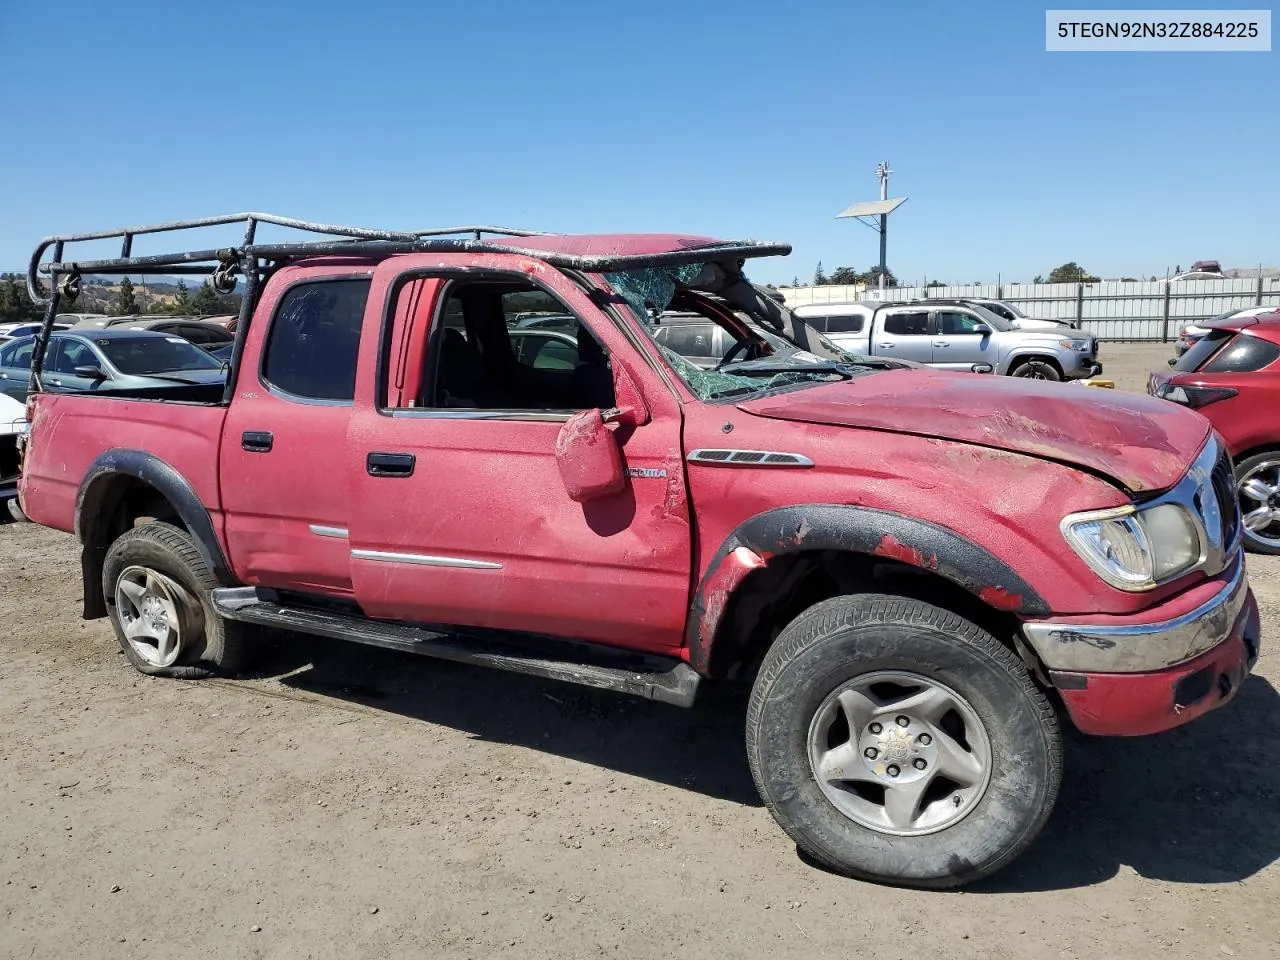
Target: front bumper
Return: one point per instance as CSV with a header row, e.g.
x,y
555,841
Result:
x,y
1132,679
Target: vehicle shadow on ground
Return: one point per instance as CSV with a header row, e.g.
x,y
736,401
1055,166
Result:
x,y
699,749
1194,805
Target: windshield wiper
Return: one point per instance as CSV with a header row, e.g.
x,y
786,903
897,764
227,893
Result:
x,y
770,367
171,379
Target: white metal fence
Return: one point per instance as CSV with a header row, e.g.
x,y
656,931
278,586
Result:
x,y
1114,310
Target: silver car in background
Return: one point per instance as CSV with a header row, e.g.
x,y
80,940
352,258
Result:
x,y
955,335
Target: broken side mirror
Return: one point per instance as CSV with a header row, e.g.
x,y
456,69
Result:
x,y
588,457
629,407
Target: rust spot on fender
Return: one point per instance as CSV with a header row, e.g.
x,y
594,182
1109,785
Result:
x,y
1000,598
894,549
721,583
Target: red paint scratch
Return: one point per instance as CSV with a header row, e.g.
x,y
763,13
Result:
x,y
1000,598
892,548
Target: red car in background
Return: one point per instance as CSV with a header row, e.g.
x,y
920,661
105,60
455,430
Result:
x,y
1232,376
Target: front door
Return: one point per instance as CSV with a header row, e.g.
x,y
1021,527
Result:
x,y
904,335
64,356
283,459
957,345
462,516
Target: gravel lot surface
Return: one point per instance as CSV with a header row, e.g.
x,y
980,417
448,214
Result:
x,y
347,802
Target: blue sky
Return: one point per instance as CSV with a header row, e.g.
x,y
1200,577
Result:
x,y
749,119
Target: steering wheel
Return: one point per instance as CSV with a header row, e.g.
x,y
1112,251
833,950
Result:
x,y
736,349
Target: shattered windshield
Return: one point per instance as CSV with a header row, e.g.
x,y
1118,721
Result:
x,y
743,367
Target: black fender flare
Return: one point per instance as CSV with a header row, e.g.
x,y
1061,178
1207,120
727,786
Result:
x,y
863,530
94,505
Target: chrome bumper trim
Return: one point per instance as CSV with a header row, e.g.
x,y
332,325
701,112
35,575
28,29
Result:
x,y
1114,648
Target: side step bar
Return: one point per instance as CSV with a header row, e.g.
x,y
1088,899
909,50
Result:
x,y
670,681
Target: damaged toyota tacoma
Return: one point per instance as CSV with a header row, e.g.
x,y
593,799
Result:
x,y
918,572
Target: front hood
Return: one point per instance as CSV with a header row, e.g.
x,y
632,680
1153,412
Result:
x,y
1052,337
1030,323
1141,443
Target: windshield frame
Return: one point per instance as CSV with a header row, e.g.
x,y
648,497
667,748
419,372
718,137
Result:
x,y
693,378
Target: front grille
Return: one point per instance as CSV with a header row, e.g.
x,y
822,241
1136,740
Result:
x,y
1224,488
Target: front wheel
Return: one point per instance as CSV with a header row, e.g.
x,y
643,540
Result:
x,y
1036,370
897,742
1258,486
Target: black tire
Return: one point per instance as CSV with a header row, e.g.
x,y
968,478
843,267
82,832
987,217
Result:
x,y
212,645
838,640
1252,542
1036,370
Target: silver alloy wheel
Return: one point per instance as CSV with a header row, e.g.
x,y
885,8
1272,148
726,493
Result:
x,y
151,608
1259,492
899,753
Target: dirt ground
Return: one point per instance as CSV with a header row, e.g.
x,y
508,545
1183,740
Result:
x,y
351,802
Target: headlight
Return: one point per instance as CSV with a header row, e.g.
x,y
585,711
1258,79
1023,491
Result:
x,y
1081,346
1135,549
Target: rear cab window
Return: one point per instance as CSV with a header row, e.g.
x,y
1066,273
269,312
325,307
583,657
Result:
x,y
907,324
313,343
846,323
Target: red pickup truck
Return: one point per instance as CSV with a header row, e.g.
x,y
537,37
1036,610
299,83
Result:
x,y
916,570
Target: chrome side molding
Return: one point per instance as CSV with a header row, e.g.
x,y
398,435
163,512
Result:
x,y
423,559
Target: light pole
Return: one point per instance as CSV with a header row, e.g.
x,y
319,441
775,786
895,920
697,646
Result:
x,y
877,210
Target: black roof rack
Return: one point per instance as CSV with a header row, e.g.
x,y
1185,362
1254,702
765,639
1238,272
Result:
x,y
224,262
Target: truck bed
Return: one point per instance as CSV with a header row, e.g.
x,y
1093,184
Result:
x,y
183,430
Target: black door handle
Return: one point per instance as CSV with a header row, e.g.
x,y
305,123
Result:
x,y
257,441
390,464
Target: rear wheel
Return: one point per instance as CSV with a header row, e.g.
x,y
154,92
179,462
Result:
x,y
1258,485
1036,370
896,742
157,589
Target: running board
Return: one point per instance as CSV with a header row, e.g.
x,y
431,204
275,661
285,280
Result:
x,y
676,684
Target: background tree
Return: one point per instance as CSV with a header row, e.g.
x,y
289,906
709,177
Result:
x,y
205,301
12,309
819,278
1039,278
934,283
1071,272
15,305
182,300
845,275
126,303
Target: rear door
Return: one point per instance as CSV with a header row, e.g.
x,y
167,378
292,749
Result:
x,y
15,368
957,345
460,513
283,461
904,334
